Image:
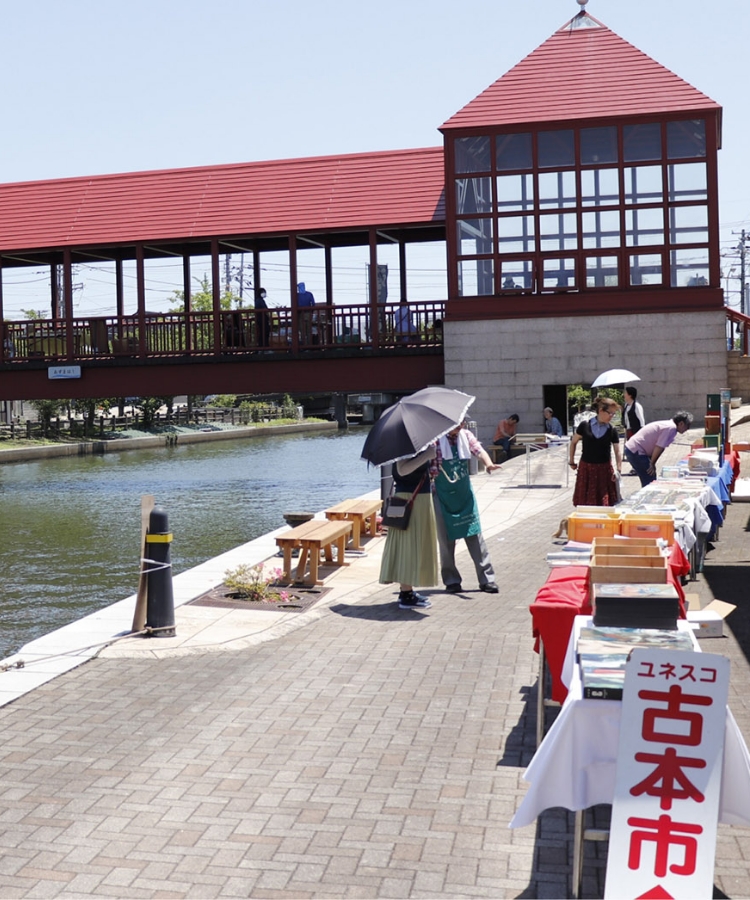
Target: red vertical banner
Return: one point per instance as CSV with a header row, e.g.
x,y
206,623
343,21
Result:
x,y
663,836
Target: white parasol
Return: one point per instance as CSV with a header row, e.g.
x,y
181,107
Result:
x,y
614,376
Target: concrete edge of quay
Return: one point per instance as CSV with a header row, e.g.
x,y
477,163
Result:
x,y
116,445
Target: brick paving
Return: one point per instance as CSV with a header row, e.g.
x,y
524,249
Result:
x,y
373,753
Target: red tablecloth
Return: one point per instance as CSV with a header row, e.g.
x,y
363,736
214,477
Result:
x,y
678,565
561,598
733,458
566,595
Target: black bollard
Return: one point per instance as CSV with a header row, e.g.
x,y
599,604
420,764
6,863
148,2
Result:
x,y
158,569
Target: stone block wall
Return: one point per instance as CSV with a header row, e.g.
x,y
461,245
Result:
x,y
680,357
739,374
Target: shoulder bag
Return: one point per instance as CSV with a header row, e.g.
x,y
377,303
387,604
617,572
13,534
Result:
x,y
397,510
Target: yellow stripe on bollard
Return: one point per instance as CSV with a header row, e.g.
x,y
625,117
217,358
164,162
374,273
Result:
x,y
158,538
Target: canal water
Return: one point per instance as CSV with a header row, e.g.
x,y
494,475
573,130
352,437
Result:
x,y
70,527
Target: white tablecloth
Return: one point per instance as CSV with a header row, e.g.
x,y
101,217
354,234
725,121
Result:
x,y
574,766
687,502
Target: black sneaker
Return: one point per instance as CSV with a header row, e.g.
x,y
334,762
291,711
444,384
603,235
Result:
x,y
489,588
453,588
413,600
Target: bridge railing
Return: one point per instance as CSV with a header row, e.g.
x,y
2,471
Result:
x,y
239,332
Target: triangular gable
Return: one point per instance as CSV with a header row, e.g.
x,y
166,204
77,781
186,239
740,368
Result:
x,y
583,71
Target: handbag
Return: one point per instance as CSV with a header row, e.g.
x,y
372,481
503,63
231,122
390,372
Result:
x,y
397,510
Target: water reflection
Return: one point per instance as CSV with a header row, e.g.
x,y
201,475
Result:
x,y
71,527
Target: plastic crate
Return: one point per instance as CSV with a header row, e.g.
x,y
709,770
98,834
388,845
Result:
x,y
584,528
641,526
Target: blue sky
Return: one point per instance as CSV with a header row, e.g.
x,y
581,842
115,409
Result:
x,y
94,86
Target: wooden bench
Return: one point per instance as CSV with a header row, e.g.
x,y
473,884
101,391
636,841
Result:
x,y
312,538
363,514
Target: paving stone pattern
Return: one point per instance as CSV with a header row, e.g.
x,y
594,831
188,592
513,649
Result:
x,y
374,753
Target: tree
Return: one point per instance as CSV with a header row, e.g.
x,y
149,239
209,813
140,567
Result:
x,y
47,410
88,407
149,406
579,397
202,300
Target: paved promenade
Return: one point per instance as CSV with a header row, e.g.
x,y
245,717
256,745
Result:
x,y
355,750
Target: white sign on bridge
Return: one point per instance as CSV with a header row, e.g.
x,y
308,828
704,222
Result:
x,y
55,372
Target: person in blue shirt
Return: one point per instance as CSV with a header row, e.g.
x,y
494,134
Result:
x,y
304,297
551,423
305,300
403,322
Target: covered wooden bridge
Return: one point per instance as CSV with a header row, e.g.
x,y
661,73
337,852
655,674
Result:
x,y
362,200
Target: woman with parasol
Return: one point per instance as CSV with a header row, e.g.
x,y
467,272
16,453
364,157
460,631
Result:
x,y
405,436
410,556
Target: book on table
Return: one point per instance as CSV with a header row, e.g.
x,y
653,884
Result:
x,y
603,655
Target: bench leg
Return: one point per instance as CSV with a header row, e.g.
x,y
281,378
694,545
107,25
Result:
x,y
287,572
356,532
302,564
314,562
340,545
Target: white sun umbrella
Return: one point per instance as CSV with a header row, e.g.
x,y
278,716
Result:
x,y
614,376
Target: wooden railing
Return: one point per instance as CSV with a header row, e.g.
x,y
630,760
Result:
x,y
240,331
103,425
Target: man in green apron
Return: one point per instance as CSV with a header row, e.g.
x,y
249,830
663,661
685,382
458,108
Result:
x,y
456,513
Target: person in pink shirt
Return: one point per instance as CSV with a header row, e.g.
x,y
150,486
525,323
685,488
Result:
x,y
645,447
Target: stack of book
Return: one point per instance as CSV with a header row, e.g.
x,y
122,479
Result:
x,y
603,654
636,605
573,553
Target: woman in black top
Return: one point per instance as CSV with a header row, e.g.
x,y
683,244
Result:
x,y
596,482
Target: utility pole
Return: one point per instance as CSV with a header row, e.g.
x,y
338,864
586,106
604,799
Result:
x,y
741,248
228,271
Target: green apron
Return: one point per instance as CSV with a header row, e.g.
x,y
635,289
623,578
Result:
x,y
457,501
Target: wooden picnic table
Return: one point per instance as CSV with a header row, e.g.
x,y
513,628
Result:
x,y
363,514
312,538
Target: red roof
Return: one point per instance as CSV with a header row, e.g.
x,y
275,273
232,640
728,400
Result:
x,y
584,71
392,188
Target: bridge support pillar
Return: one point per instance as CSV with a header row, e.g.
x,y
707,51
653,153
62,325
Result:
x,y
339,410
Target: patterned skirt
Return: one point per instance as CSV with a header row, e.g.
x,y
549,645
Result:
x,y
595,485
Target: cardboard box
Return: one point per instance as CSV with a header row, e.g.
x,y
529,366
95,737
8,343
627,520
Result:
x,y
709,621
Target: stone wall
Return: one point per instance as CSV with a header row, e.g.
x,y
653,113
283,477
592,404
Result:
x,y
739,374
680,357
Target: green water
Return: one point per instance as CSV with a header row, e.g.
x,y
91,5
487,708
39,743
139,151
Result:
x,y
70,527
